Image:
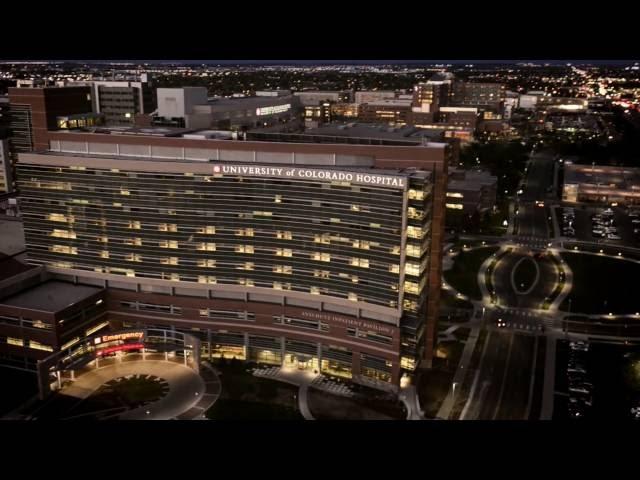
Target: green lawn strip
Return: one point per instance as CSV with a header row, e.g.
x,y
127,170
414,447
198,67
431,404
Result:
x,y
463,275
601,285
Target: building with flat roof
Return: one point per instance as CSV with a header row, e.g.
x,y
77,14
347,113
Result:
x,y
189,107
471,191
39,315
317,255
601,184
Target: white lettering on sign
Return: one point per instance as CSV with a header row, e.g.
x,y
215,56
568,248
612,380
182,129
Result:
x,y
349,322
306,173
273,110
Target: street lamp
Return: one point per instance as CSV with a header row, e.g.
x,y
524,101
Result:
x,y
453,396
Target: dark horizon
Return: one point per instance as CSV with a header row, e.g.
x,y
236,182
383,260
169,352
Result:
x,y
288,62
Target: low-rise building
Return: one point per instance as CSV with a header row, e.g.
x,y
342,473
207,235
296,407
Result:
x,y
470,191
601,184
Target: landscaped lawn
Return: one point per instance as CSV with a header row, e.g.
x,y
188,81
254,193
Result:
x,y
246,397
225,409
18,387
525,274
463,275
602,285
373,405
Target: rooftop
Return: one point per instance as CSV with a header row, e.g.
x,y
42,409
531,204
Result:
x,y
10,266
408,133
624,178
51,296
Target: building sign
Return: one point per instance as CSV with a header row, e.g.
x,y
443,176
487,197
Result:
x,y
119,348
348,322
312,174
138,335
273,110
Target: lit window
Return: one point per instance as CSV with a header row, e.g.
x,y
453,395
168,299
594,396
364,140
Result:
x,y
133,241
454,206
410,305
174,276
63,233
375,225
245,266
169,261
206,246
244,232
209,229
314,290
353,296
18,342
416,194
395,250
455,195
394,268
133,257
324,238
206,279
355,208
412,269
63,249
321,256
413,251
411,287
245,281
359,262
278,199
414,232
284,252
168,244
40,346
134,224
168,227
321,273
286,269
262,213
124,191
206,262
284,235
244,249
335,220
58,217
104,254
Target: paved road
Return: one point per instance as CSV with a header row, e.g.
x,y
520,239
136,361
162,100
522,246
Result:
x,y
532,219
510,297
185,387
503,386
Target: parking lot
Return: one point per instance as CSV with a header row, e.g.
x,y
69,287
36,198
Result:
x,y
616,226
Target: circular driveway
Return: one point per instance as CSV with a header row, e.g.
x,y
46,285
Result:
x,y
186,387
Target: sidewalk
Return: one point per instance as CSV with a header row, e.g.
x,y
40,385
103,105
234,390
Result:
x,y
447,405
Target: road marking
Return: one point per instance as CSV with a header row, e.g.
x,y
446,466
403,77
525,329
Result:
x,y
504,377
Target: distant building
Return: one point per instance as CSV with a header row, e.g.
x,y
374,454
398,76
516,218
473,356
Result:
x,y
372,96
273,93
458,116
601,184
562,104
6,170
177,107
470,191
529,100
121,101
388,111
484,96
315,97
189,107
4,111
430,96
